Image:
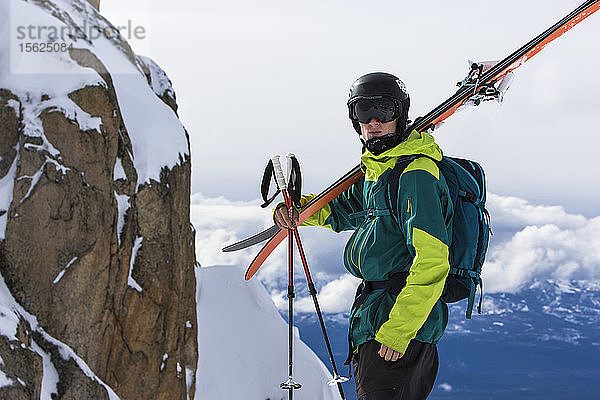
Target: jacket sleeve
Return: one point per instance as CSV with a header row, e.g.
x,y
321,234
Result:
x,y
336,214
425,213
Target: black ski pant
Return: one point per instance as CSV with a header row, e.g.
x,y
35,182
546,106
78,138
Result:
x,y
409,378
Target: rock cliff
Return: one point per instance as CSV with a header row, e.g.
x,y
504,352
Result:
x,y
96,246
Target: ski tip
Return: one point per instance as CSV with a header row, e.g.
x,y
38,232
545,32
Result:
x,y
249,272
229,248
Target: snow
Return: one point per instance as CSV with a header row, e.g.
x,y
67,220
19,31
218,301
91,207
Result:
x,y
122,207
67,353
50,374
6,193
31,74
164,360
9,319
160,82
35,178
241,332
189,379
130,281
74,113
61,273
119,172
157,135
42,81
5,380
14,105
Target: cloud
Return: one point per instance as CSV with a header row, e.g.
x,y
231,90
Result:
x,y
531,242
335,297
219,222
511,213
539,242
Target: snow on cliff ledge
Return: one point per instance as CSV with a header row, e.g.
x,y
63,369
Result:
x,y
43,79
242,343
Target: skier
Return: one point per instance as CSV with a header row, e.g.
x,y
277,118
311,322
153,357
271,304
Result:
x,y
397,317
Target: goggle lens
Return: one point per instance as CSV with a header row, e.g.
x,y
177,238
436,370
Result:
x,y
382,109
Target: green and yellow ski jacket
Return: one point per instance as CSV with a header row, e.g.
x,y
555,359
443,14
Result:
x,y
381,246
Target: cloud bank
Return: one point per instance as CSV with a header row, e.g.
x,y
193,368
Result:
x,y
539,242
530,242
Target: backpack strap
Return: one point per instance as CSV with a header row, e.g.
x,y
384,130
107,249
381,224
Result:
x,y
393,181
474,279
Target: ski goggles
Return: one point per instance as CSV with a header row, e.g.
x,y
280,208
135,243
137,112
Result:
x,y
383,109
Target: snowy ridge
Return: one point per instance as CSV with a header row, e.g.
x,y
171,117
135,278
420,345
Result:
x,y
241,332
159,81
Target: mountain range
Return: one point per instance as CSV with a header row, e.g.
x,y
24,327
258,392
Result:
x,y
541,342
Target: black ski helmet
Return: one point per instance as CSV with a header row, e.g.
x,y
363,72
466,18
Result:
x,y
380,84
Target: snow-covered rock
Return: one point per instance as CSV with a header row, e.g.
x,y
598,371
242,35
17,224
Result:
x,y
96,248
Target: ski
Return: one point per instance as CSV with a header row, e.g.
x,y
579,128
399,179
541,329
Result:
x,y
252,240
484,82
313,205
309,209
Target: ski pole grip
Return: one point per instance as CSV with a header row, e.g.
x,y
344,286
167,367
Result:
x,y
288,158
279,178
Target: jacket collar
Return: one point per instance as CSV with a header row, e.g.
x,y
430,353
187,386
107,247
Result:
x,y
416,143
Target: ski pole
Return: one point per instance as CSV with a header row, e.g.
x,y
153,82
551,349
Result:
x,y
337,379
290,385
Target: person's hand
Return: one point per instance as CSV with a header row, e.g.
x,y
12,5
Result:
x,y
389,354
282,218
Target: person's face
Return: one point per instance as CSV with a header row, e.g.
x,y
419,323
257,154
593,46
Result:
x,y
375,128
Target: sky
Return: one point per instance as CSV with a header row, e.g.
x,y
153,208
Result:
x,y
269,77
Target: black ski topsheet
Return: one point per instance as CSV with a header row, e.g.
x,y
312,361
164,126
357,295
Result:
x,y
251,241
448,107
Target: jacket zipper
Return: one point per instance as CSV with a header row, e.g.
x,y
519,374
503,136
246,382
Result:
x,y
362,245
409,209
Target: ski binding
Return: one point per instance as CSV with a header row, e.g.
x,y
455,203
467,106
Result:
x,y
494,90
